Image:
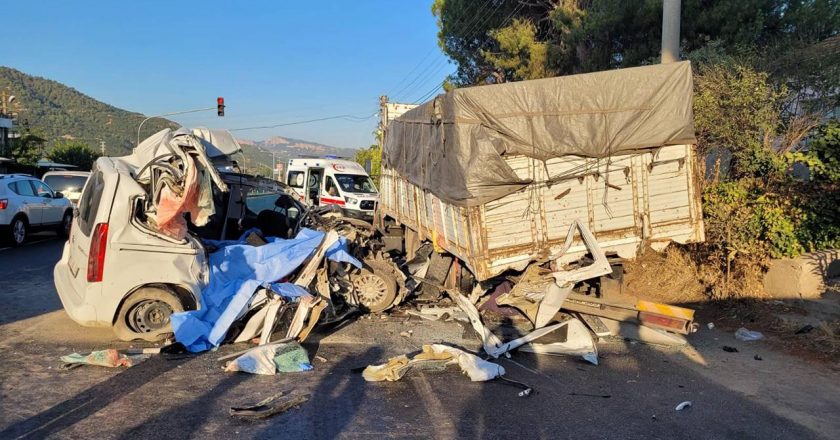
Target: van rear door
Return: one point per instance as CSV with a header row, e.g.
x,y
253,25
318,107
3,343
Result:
x,y
94,209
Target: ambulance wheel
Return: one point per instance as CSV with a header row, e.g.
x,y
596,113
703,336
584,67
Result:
x,y
145,315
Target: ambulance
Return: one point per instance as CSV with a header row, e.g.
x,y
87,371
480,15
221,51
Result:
x,y
332,181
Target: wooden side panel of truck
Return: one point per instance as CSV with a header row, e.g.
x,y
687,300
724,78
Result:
x,y
651,196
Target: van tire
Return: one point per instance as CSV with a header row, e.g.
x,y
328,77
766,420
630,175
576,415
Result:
x,y
375,286
63,229
145,315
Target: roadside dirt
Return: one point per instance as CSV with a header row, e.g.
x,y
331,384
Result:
x,y
668,277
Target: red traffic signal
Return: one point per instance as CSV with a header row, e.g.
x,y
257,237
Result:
x,y
220,106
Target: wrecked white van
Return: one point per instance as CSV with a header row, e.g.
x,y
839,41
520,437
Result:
x,y
134,255
146,224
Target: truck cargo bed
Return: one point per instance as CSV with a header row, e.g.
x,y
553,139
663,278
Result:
x,y
624,199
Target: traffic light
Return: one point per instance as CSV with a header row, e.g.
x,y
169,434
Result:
x,y
220,106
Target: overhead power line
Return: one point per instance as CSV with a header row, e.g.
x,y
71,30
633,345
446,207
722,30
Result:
x,y
504,22
474,18
351,118
482,14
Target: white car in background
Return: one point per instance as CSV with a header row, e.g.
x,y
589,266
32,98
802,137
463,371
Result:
x,y
28,205
69,183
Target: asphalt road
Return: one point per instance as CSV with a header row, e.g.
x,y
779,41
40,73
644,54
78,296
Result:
x,y
630,395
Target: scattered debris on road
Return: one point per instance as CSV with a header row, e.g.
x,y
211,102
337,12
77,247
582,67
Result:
x,y
269,359
434,357
744,335
684,405
729,349
103,358
268,407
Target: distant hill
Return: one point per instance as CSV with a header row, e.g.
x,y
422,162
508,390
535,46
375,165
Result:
x,y
62,112
285,148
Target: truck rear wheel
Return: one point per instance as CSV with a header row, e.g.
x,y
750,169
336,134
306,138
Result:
x,y
145,315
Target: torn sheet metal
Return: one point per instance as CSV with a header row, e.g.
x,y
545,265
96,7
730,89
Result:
x,y
236,271
495,347
434,357
579,342
540,298
178,176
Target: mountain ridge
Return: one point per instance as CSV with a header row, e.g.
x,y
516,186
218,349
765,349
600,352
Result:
x,y
58,111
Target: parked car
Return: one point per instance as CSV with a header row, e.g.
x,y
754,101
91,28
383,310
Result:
x,y
28,205
70,183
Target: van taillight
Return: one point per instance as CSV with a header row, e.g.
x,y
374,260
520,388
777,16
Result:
x,y
96,256
4,203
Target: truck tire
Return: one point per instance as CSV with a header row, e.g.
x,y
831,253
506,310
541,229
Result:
x,y
145,315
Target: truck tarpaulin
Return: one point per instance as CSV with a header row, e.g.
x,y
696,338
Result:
x,y
454,145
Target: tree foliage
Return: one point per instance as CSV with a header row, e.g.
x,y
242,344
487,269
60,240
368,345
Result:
x,y
60,112
795,38
374,155
73,152
520,55
28,148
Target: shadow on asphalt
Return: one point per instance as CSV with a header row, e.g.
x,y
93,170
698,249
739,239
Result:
x,y
88,402
27,279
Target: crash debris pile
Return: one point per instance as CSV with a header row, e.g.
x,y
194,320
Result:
x,y
244,281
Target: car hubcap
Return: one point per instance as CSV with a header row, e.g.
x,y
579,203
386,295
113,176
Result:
x,y
149,316
371,288
19,231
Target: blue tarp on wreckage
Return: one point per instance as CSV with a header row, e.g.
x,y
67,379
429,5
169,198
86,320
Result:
x,y
236,271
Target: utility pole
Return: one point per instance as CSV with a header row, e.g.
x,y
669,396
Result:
x,y
670,31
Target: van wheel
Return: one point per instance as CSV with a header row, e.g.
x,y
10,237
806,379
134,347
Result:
x,y
145,315
375,288
18,231
63,230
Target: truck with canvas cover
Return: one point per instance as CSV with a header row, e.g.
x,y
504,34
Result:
x,y
496,175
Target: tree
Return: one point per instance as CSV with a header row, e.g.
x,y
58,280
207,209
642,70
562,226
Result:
x,y
520,55
374,155
591,35
72,152
28,148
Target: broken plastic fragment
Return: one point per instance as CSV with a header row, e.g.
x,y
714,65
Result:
x,y
742,334
683,405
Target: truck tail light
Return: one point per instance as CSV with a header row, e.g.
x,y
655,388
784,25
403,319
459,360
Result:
x,y
96,256
4,203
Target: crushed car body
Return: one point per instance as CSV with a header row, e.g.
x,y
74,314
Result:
x,y
150,226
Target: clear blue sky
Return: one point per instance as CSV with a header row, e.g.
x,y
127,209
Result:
x,y
273,61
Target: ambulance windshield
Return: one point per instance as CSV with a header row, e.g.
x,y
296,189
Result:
x,y
355,183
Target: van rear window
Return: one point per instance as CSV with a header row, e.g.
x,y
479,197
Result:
x,y
89,202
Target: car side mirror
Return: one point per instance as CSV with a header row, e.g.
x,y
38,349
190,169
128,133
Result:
x,y
58,195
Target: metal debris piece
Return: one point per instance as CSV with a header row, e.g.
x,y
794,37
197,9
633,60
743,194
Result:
x,y
269,407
